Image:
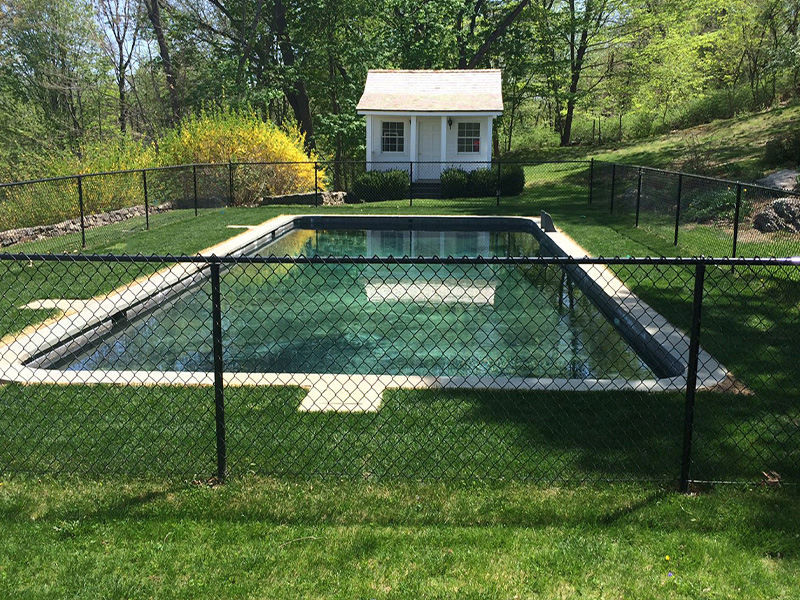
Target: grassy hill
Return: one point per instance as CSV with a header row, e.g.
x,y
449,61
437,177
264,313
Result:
x,y
729,148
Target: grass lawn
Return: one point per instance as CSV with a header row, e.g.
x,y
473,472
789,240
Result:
x,y
728,148
265,538
375,534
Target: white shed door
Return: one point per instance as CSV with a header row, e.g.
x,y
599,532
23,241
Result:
x,y
429,148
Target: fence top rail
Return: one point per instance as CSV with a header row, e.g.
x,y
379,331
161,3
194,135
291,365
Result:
x,y
755,186
375,260
77,176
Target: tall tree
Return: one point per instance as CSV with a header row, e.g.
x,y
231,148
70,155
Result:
x,y
120,26
153,9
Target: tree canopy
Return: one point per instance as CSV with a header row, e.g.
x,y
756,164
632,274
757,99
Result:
x,y
83,71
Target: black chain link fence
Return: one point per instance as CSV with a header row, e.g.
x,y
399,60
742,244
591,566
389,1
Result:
x,y
715,216
490,368
95,212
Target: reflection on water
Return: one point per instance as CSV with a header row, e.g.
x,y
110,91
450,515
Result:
x,y
400,319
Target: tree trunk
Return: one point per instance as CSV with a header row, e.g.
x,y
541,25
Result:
x,y
154,14
295,93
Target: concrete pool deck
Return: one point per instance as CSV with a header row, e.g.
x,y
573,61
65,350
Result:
x,y
326,392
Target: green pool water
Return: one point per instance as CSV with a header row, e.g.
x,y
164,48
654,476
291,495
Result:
x,y
456,320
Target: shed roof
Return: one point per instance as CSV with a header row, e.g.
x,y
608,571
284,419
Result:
x,y
476,90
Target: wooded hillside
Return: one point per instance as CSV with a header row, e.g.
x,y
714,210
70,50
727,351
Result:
x,y
121,72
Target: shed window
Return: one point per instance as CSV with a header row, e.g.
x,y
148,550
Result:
x,y
392,137
469,137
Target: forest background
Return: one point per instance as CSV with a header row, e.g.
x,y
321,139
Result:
x,y
93,85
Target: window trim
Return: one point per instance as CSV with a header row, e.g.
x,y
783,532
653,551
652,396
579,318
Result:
x,y
398,139
459,137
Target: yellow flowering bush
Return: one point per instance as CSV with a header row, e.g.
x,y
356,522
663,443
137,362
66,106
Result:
x,y
220,135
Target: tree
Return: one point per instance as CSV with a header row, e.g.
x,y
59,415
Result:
x,y
120,27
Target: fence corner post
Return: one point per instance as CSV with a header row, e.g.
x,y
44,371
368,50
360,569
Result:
x,y
613,184
80,207
678,207
146,203
736,217
194,185
591,180
219,383
230,183
691,375
638,194
499,179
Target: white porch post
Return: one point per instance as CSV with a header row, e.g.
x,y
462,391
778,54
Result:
x,y
444,144
489,142
412,147
369,142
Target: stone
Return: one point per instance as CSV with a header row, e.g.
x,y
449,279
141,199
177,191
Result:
x,y
42,232
767,221
785,179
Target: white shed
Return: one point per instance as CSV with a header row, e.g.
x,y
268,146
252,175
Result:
x,y
433,119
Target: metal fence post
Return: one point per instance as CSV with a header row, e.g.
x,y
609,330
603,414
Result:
x,y
80,206
194,180
591,180
638,195
411,183
230,183
613,184
499,179
678,207
736,217
219,385
691,375
316,185
146,203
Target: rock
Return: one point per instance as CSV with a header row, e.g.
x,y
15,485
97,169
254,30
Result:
x,y
785,180
42,232
767,221
788,210
783,215
333,198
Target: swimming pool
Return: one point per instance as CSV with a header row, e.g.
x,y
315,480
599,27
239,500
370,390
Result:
x,y
482,322
481,319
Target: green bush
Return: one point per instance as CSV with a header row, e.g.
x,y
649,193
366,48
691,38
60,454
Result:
x,y
455,183
482,183
512,180
373,186
783,149
715,205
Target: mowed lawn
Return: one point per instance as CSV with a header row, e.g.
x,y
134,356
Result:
x,y
377,533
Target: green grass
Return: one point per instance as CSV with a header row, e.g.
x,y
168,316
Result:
x,y
728,148
375,534
265,538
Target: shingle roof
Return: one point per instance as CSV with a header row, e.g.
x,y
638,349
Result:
x,y
478,90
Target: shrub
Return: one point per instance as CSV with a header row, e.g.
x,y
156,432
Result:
x,y
482,183
715,205
219,135
373,186
512,180
455,183
774,151
783,149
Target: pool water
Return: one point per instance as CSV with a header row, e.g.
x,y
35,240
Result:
x,y
411,319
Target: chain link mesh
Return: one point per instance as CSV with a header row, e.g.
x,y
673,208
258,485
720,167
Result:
x,y
398,368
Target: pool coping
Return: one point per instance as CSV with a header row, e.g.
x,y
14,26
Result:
x,y
349,392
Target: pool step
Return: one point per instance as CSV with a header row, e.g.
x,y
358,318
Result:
x,y
426,189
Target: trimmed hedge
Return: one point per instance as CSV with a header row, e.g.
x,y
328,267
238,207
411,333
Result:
x,y
374,186
455,183
481,183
